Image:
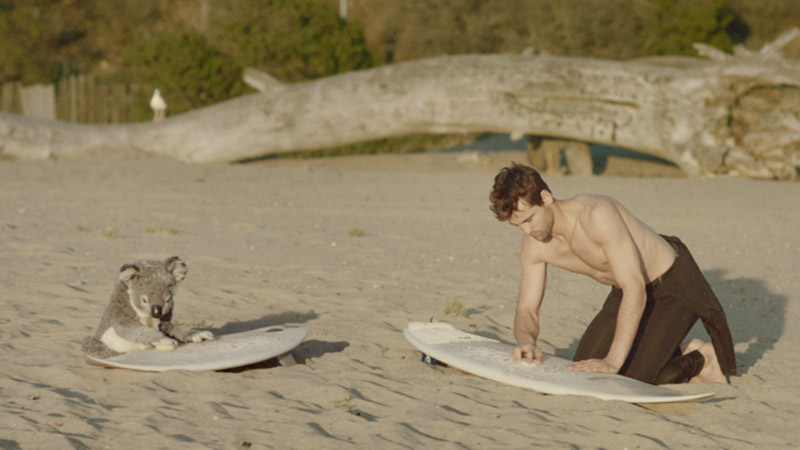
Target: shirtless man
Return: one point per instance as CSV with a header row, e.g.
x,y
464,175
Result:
x,y
657,294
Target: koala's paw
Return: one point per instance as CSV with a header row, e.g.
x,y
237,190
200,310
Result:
x,y
165,344
199,336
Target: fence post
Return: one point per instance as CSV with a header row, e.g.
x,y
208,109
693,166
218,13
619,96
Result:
x,y
39,100
93,103
73,99
62,100
10,97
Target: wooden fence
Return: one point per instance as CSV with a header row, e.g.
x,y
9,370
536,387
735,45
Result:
x,y
80,99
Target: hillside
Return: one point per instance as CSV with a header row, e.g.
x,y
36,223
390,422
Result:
x,y
44,40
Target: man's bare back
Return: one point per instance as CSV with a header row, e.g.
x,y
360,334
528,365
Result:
x,y
573,242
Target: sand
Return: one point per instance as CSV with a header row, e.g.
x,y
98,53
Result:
x,y
353,249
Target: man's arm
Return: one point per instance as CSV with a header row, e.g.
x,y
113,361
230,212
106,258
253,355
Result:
x,y
604,224
529,299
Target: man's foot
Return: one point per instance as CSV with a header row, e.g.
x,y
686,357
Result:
x,y
711,370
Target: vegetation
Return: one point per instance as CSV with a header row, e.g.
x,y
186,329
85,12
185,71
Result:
x,y
294,40
185,66
677,24
44,40
157,45
414,29
455,308
356,232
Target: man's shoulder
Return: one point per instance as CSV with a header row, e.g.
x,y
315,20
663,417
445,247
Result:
x,y
589,207
532,251
589,200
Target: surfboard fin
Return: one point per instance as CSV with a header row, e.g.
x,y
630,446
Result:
x,y
287,359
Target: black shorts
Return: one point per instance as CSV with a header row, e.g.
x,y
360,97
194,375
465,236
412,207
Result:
x,y
674,303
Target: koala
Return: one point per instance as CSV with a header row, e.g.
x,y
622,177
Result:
x,y
140,312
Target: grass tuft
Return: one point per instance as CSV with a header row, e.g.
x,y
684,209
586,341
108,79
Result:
x,y
356,232
455,308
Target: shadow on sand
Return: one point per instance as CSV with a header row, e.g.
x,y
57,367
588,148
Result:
x,y
264,321
308,349
756,315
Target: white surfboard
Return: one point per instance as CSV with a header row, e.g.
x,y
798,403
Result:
x,y
224,352
491,359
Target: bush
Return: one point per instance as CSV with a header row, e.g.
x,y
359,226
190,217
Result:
x,y
295,39
40,40
677,24
189,72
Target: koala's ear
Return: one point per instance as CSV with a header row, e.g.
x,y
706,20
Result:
x,y
128,272
176,267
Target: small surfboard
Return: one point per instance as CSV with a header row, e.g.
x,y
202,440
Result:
x,y
224,352
491,359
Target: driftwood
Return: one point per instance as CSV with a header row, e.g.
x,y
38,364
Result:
x,y
731,113
546,154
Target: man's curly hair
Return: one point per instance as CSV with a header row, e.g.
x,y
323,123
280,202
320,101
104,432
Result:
x,y
514,183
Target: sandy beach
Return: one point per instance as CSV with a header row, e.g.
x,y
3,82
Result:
x,y
353,249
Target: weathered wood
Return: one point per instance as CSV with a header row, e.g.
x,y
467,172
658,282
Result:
x,y
734,114
9,97
39,100
262,82
546,156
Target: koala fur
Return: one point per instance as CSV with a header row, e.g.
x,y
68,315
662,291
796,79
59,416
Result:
x,y
140,312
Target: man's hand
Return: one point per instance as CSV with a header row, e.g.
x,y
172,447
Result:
x,y
593,365
527,353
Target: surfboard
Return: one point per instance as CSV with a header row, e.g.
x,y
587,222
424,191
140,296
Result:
x,y
490,358
224,352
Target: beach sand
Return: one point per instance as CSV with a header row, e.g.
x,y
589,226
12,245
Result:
x,y
353,249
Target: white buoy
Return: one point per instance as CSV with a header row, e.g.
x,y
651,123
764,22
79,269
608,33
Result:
x,y
158,105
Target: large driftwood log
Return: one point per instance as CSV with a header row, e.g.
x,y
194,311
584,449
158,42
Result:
x,y
735,113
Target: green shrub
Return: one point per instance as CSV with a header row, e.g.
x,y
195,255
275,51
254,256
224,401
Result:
x,y
189,72
677,24
39,40
295,39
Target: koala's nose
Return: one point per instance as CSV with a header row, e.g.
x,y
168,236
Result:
x,y
157,311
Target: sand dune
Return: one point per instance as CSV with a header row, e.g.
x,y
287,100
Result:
x,y
354,249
